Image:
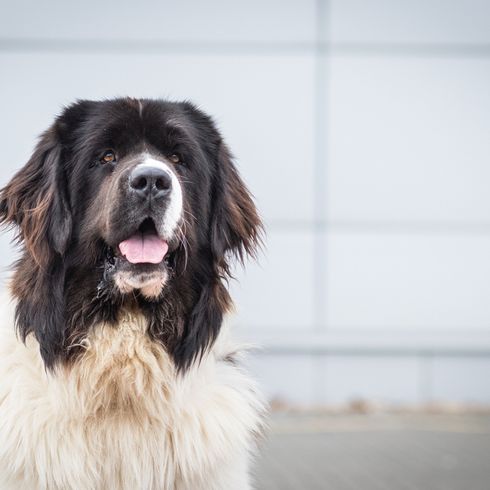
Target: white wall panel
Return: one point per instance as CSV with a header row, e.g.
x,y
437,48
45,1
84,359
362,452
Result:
x,y
387,380
408,140
416,21
464,380
183,20
277,291
264,106
285,379
404,281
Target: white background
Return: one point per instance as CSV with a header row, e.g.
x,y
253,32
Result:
x,y
363,129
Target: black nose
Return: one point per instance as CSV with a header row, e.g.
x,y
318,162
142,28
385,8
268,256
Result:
x,y
150,181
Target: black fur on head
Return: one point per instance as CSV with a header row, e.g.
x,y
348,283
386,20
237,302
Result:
x,y
80,197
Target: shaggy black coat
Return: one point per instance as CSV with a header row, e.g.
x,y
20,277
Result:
x,y
63,279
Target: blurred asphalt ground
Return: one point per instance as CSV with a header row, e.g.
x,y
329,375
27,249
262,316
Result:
x,y
405,451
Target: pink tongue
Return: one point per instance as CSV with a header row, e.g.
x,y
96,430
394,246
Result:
x,y
144,248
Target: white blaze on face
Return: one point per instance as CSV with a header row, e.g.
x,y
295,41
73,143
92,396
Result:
x,y
173,212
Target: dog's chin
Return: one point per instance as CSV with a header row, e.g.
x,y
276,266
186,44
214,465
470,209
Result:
x,y
148,279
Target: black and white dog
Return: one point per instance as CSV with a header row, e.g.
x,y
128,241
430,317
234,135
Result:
x,y
128,214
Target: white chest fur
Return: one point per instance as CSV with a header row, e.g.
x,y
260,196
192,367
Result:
x,y
122,418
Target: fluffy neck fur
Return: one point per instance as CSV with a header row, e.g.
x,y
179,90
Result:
x,y
123,373
121,416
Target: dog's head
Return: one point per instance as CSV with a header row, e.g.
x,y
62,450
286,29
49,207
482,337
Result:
x,y
128,205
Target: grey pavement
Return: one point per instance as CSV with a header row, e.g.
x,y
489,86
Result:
x,y
376,452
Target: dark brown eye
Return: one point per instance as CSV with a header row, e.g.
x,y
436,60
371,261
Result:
x,y
108,157
175,158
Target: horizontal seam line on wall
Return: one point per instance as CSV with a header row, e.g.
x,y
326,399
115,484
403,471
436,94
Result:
x,y
353,351
382,227
246,47
300,329
347,341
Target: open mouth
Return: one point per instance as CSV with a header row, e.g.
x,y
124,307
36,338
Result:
x,y
145,246
144,261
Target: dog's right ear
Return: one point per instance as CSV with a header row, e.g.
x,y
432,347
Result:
x,y
36,201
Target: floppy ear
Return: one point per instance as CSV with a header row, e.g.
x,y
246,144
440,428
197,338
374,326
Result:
x,y
236,228
36,201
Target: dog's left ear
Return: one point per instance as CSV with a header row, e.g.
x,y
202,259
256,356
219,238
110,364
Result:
x,y
36,201
236,228
235,231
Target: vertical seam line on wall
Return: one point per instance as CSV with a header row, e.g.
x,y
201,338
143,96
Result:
x,y
319,173
320,366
